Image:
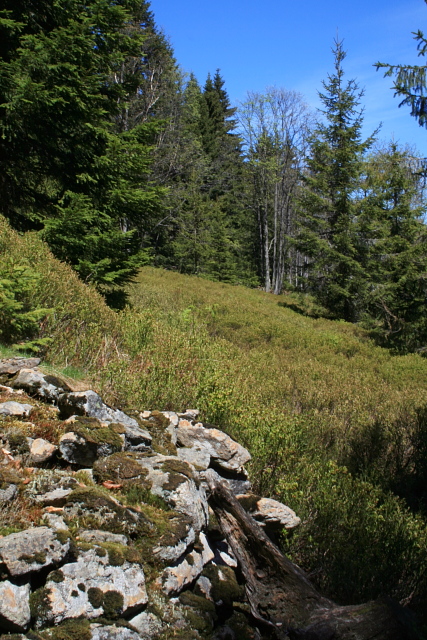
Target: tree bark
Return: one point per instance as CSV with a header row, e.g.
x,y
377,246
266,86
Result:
x,y
280,594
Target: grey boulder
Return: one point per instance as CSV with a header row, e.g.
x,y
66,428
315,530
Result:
x,y
41,450
32,550
175,578
274,515
15,612
13,365
103,632
17,409
173,480
91,587
89,403
39,384
225,452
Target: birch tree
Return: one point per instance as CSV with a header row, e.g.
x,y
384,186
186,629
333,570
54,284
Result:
x,y
274,127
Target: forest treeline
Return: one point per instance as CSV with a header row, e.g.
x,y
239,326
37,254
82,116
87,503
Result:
x,y
119,159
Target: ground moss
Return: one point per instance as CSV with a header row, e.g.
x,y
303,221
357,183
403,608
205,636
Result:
x,y
189,599
157,425
95,597
37,558
119,467
69,630
224,584
56,576
92,430
9,476
82,587
40,604
189,558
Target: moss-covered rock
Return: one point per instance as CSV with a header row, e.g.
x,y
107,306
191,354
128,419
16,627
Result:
x,y
225,587
90,439
40,605
120,467
189,599
92,430
160,428
68,630
97,510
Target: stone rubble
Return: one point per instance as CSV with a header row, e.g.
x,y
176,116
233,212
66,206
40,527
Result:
x,y
121,527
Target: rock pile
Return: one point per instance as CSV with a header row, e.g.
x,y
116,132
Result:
x,y
106,530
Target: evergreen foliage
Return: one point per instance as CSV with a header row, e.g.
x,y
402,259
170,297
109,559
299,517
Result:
x,y
394,250
58,151
410,81
328,233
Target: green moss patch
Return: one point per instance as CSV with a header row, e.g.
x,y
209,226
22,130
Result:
x,y
69,630
140,494
189,599
95,597
37,558
112,604
40,604
157,425
97,510
56,576
93,431
119,467
224,584
111,601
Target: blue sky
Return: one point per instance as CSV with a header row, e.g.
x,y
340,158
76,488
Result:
x,y
287,43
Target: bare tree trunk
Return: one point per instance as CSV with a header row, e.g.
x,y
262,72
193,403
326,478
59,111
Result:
x,y
279,593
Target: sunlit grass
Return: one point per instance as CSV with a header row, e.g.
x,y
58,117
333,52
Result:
x,y
303,393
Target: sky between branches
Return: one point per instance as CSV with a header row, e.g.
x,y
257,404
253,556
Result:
x,y
288,43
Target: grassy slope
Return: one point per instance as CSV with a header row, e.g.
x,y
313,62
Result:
x,y
310,398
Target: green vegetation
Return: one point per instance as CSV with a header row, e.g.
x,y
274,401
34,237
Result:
x,y
335,424
112,164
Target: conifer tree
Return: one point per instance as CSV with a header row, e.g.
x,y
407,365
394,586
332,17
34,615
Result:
x,y
394,249
410,81
58,149
328,232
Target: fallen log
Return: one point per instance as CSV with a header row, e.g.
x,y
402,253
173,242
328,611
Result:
x,y
281,596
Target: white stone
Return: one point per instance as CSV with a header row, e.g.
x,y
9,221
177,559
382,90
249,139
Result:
x,y
68,600
15,605
42,450
174,579
12,408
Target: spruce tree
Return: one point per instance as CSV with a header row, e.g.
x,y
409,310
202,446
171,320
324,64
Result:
x,y
328,231
60,158
393,240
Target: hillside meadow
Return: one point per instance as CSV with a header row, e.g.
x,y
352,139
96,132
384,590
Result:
x,y
337,427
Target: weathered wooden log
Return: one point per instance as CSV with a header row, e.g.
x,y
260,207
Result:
x,y
280,594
